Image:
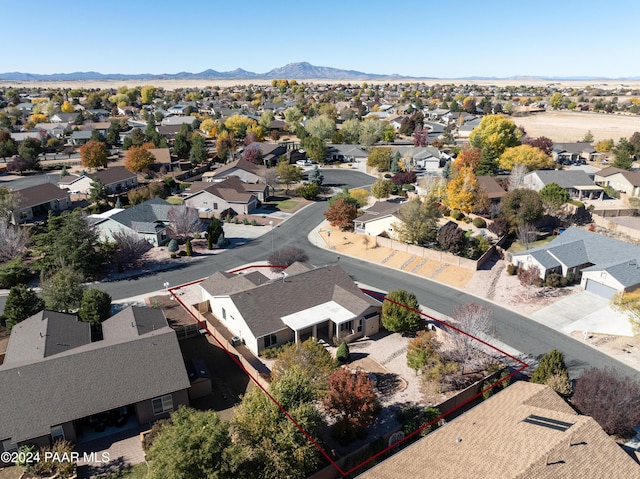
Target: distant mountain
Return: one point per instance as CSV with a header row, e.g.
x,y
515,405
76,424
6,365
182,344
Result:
x,y
297,71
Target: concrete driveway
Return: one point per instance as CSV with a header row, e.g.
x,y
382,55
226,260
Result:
x,y
584,311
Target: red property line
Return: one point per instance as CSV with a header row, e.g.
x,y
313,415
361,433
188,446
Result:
x,y
382,298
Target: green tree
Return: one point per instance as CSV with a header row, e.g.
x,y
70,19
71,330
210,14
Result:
x,y
214,231
553,196
30,148
309,191
418,221
266,118
316,176
288,173
181,145
316,148
69,240
351,131
7,148
320,126
371,131
624,154
198,154
556,100
97,191
549,364
22,303
399,311
493,135
382,188
192,444
63,290
293,116
95,306
380,157
521,206
9,201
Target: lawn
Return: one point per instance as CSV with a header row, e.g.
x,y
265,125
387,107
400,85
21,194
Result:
x,y
517,247
175,200
284,204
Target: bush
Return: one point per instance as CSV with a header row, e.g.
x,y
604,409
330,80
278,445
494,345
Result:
x,y
173,256
342,354
254,222
388,175
173,246
182,253
444,210
457,215
408,187
309,191
245,221
512,269
577,203
189,249
479,222
13,272
556,280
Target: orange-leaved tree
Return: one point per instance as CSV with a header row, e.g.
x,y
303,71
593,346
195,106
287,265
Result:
x,y
93,154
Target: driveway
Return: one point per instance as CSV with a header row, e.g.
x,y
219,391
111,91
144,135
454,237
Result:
x,y
584,311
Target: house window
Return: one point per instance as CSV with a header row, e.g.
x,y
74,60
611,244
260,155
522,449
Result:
x,y
346,326
8,446
162,404
57,433
224,313
215,206
270,340
359,328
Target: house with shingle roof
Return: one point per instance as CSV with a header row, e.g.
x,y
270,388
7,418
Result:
x,y
523,431
35,202
605,265
243,169
346,153
568,152
306,302
214,197
627,182
379,218
271,152
148,220
115,180
59,382
576,182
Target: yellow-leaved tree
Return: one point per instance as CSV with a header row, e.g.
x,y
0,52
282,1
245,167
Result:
x,y
238,125
67,107
530,156
462,190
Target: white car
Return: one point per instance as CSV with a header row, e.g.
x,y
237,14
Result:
x,y
304,162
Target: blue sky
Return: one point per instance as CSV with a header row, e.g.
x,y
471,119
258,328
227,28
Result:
x,y
445,39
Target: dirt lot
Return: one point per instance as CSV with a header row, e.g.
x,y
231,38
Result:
x,y
568,126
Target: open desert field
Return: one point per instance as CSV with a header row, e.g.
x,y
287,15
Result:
x,y
568,126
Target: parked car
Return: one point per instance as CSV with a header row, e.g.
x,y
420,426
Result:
x,y
306,162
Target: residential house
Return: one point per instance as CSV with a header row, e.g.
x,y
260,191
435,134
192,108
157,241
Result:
x,y
54,130
491,188
467,127
427,157
180,109
19,137
271,152
26,107
605,265
101,127
214,197
35,202
346,153
627,182
62,117
243,169
80,137
178,120
59,382
163,158
307,302
148,220
379,218
523,431
577,183
127,110
169,131
115,180
277,125
565,153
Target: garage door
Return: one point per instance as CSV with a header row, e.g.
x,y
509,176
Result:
x,y
600,289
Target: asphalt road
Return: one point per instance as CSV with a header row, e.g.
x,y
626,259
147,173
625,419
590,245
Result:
x,y
513,329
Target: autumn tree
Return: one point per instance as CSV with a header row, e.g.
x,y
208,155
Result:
x,y
67,107
225,145
468,157
421,137
351,401
382,188
129,247
423,351
320,126
611,399
543,143
238,125
463,190
361,196
184,223
341,214
380,157
252,155
191,444
493,136
288,173
531,157
147,94
399,312
22,303
13,241
138,158
521,206
604,146
371,131
95,306
418,221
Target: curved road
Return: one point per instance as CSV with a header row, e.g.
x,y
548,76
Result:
x,y
513,329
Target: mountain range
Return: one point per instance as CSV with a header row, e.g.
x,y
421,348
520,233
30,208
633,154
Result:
x,y
292,71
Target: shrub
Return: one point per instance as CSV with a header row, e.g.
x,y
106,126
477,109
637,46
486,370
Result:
x,y
287,256
342,354
457,215
444,210
550,364
408,187
189,249
254,222
556,280
479,222
577,203
182,253
512,269
13,272
388,175
173,256
309,191
173,246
